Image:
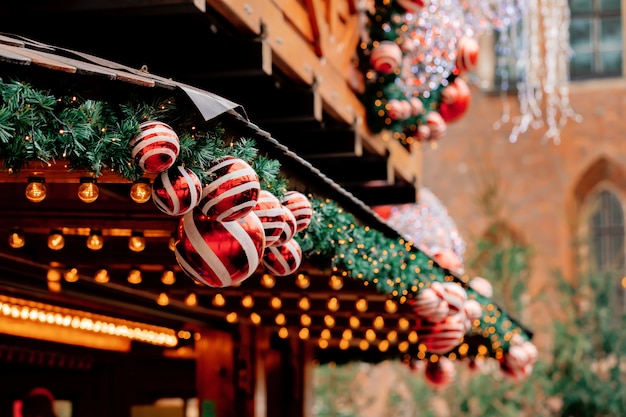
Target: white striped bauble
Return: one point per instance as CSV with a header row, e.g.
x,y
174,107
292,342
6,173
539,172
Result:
x,y
482,286
453,294
156,147
516,363
219,254
473,310
284,259
467,53
440,337
429,306
441,373
436,124
288,229
386,57
271,212
234,191
176,191
300,206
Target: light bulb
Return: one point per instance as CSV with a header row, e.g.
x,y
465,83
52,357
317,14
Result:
x,y
191,299
168,277
17,239
361,305
134,276
303,281
333,304
71,275
102,276
56,241
304,303
163,299
335,282
140,191
136,242
247,301
88,191
95,241
172,242
268,281
36,189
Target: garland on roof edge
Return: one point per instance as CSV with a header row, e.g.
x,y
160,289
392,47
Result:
x,y
94,136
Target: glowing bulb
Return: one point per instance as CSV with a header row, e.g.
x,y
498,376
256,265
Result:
x,y
136,242
333,304
276,302
134,276
361,305
102,276
305,320
303,333
391,306
403,324
335,282
191,299
36,189
268,281
71,275
172,242
379,322
347,334
95,241
247,301
140,191
219,300
56,241
88,191
370,335
280,319
168,277
304,303
354,322
283,333
329,321
303,281
17,239
163,299
364,345
255,318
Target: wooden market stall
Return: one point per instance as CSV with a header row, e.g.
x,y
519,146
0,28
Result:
x,y
268,81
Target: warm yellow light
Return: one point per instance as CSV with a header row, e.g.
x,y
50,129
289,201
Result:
x,y
322,343
392,336
36,190
247,301
325,334
172,242
168,277
379,322
403,346
102,276
403,324
191,299
303,281
219,300
56,241
370,334
53,275
141,191
95,241
88,190
280,319
276,302
304,303
412,337
391,306
383,345
347,334
335,282
134,276
231,317
333,304
364,345
136,241
268,281
283,333
163,299
361,305
54,286
354,322
255,318
17,239
305,320
329,321
304,333
71,275
344,344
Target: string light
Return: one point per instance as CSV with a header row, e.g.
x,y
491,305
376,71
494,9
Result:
x,y
102,276
335,282
36,190
219,300
56,240
95,241
303,281
255,318
88,190
268,281
140,191
71,275
163,299
361,305
136,241
134,276
332,304
168,277
304,303
191,299
247,301
276,302
16,238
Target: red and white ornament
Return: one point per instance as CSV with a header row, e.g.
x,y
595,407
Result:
x,y
219,254
441,373
417,107
156,147
398,109
428,305
467,53
176,191
284,259
443,336
288,229
453,294
482,286
301,208
386,57
436,124
473,310
411,6
448,259
517,363
233,193
455,100
423,132
271,212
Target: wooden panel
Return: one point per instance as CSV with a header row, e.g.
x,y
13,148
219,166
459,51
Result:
x,y
39,59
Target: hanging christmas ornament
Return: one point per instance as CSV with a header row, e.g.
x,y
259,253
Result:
x,y
289,227
300,206
278,221
176,191
440,373
466,53
233,193
412,6
440,337
455,100
448,259
417,107
283,260
472,310
219,254
385,57
453,294
482,286
516,363
156,147
501,14
428,305
436,124
398,109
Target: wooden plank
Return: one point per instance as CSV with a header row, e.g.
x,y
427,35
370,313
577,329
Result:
x,y
11,41
41,60
315,11
298,16
13,58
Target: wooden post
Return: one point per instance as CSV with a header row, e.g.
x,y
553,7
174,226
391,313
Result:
x,y
214,373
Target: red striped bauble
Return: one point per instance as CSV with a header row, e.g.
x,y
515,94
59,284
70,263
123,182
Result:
x,y
453,294
176,191
436,124
278,222
411,6
441,373
456,99
443,336
284,259
219,254
233,193
301,208
156,147
467,53
517,363
429,306
386,57
482,286
288,228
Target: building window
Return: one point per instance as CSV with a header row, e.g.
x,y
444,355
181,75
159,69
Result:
x,y
595,38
